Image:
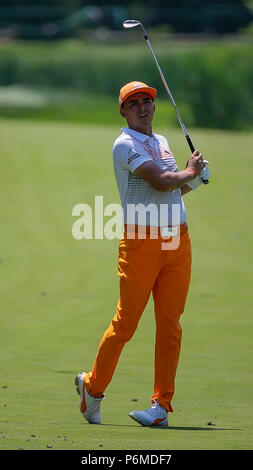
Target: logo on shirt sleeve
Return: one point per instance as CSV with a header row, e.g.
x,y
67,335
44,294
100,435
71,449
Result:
x,y
132,157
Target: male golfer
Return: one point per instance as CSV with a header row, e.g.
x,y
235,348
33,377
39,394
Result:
x,y
146,175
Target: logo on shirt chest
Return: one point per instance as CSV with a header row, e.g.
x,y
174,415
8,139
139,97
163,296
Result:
x,y
165,159
164,153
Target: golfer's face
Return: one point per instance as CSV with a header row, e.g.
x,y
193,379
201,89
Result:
x,y
139,110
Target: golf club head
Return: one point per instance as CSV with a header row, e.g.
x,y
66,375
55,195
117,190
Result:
x,y
131,23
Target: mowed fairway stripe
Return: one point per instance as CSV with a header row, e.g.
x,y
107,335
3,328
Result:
x,y
58,295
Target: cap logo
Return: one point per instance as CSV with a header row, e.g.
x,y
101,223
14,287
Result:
x,y
137,85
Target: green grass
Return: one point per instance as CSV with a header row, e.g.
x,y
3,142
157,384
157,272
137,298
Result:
x,y
43,104
58,295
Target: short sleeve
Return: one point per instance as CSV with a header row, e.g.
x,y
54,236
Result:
x,y
129,155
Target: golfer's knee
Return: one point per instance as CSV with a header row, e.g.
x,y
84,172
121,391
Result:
x,y
124,330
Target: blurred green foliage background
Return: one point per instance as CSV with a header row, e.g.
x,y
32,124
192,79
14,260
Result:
x,y
67,60
65,18
211,82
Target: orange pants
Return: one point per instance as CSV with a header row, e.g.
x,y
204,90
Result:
x,y
144,268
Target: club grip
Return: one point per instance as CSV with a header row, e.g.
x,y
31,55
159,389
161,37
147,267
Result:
x,y
190,143
192,150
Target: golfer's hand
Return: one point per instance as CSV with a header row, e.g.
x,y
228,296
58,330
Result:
x,y
204,175
195,162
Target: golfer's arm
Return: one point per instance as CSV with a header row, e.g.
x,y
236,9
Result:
x,y
163,180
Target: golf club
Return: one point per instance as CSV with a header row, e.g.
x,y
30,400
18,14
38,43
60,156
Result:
x,y
133,24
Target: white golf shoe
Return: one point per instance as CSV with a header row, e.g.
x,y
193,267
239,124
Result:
x,y
89,405
154,416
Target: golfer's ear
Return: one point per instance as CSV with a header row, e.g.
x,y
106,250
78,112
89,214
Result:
x,y
122,112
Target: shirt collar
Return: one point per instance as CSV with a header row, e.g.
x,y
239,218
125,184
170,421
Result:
x,y
138,135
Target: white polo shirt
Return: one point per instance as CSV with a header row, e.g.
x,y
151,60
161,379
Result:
x,y
155,208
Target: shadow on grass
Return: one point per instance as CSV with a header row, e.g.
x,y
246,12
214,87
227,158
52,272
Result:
x,y
196,428
173,428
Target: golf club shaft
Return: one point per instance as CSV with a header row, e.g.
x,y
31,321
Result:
x,y
167,89
172,99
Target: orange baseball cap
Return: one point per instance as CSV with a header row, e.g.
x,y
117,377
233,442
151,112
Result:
x,y
135,87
